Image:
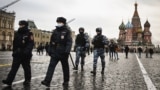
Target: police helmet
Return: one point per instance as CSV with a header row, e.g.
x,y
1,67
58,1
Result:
x,y
99,29
81,29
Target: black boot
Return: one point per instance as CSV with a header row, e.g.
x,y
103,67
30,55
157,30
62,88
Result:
x,y
94,71
45,83
7,82
27,82
82,69
66,83
102,72
75,68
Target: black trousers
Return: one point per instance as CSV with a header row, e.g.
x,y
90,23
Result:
x,y
65,67
126,54
17,61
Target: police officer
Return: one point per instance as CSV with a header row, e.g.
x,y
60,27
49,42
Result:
x,y
111,49
116,51
99,41
81,44
60,46
22,52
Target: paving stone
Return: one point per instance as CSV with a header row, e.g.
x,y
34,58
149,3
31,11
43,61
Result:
x,y
122,74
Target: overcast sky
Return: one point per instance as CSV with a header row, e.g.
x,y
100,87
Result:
x,y
89,14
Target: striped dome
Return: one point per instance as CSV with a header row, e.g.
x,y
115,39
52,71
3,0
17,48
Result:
x,y
129,25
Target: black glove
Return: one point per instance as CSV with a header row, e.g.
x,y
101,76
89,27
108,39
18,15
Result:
x,y
50,50
84,48
16,52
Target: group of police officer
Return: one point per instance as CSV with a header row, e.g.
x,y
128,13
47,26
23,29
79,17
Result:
x,y
59,50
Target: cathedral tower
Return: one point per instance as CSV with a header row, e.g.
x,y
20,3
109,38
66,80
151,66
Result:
x,y
147,34
136,24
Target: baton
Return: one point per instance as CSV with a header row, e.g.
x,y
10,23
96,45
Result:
x,y
72,60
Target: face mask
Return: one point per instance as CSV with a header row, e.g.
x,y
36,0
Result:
x,y
60,24
81,32
98,33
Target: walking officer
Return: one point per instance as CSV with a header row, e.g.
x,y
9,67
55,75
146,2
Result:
x,y
99,41
81,45
60,46
22,52
126,49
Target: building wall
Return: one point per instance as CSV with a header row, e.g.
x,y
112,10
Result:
x,y
7,20
43,37
40,37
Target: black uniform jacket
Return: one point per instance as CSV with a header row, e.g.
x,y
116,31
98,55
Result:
x,y
23,43
61,41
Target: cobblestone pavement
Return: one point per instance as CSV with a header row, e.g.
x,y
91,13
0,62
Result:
x,y
122,74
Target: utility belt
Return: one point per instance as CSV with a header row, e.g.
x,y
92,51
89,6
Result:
x,y
98,47
80,47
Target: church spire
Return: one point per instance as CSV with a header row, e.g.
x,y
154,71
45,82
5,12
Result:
x,y
136,6
136,22
136,10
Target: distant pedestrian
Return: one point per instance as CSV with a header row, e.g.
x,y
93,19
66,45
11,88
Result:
x,y
81,45
46,48
139,51
99,41
40,49
60,47
91,49
151,52
116,51
111,49
126,49
88,50
22,52
146,51
107,50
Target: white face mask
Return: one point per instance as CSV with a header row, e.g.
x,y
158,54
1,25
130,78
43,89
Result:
x,y
60,24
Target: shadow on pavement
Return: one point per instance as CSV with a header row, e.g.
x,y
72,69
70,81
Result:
x,y
7,88
10,88
28,87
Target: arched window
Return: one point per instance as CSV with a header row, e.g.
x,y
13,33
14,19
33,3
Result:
x,y
10,36
3,36
4,23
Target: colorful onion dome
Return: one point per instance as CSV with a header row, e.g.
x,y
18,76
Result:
x,y
122,26
147,24
129,25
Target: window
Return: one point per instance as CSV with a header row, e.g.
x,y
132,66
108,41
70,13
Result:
x,y
3,23
10,36
3,36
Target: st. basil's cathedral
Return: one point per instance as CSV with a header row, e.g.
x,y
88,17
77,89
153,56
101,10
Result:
x,y
132,34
